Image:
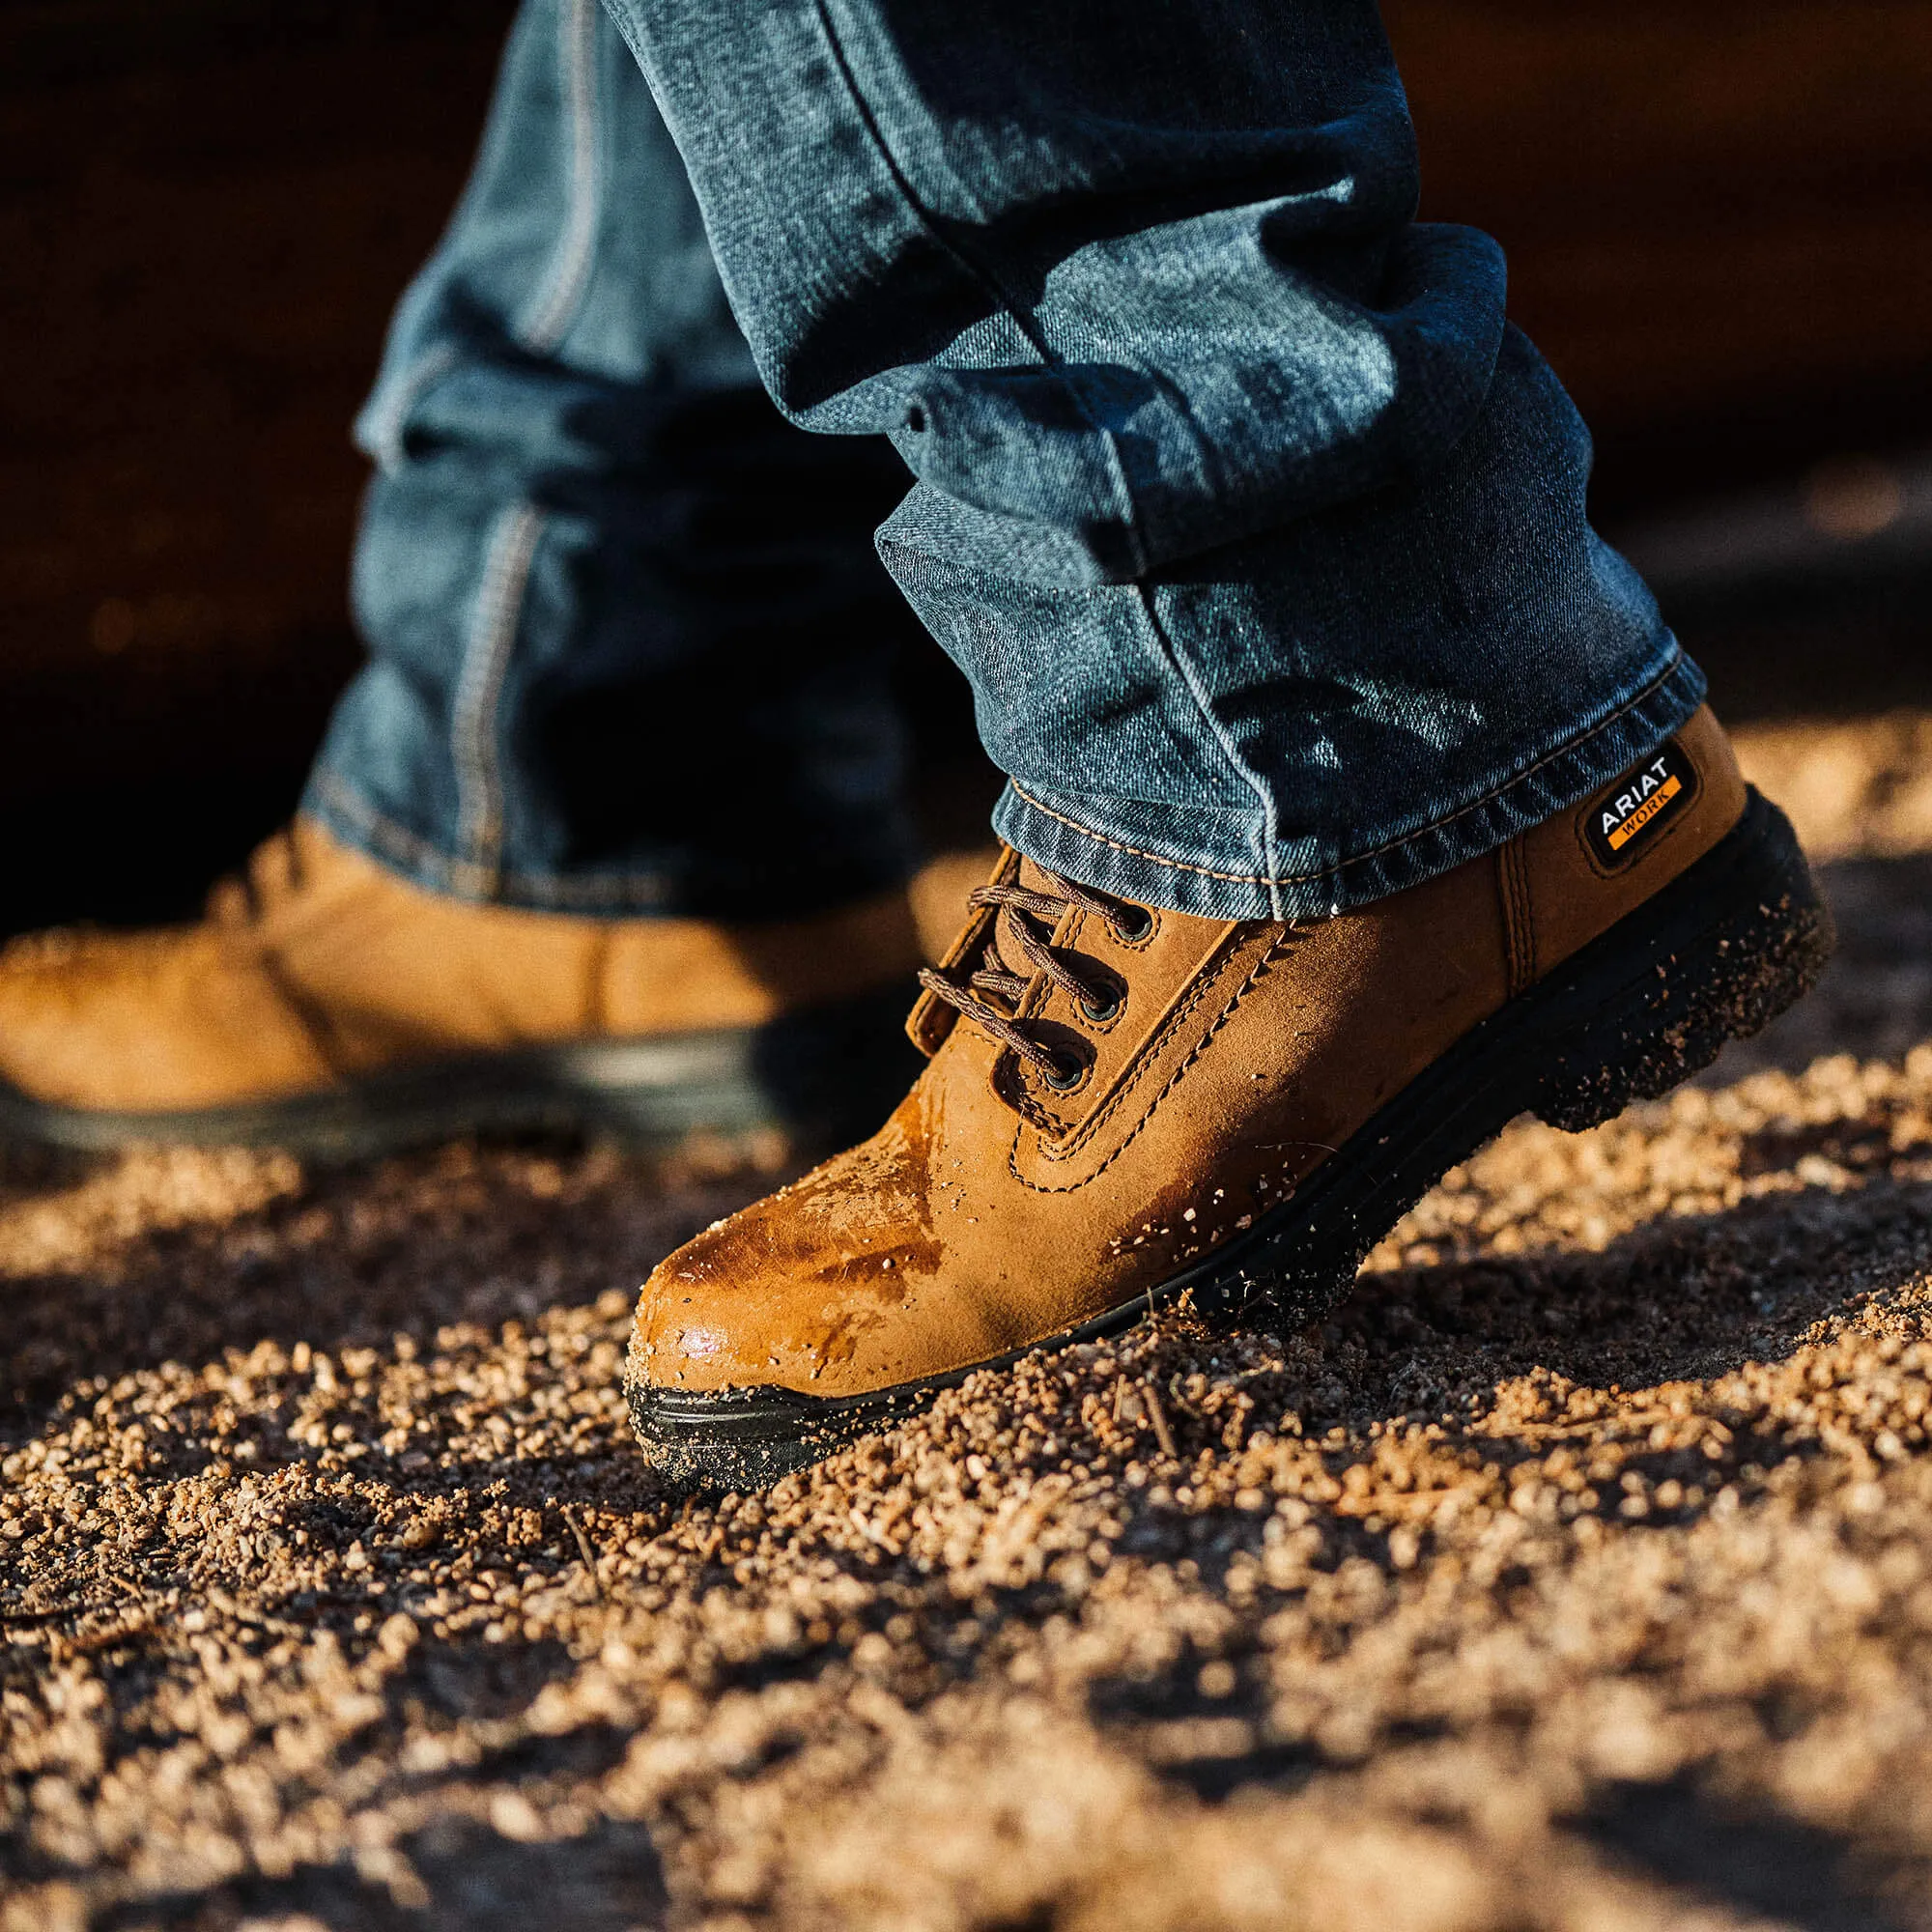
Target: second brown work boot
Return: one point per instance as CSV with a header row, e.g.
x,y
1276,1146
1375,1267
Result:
x,y
327,1006
1127,1108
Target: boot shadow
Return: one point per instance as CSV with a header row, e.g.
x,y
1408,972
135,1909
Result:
x,y
466,1234
1679,1298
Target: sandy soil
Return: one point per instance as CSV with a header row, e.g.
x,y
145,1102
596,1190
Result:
x,y
1577,1575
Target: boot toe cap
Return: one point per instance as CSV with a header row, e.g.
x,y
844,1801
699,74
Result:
x,y
836,1285
756,1303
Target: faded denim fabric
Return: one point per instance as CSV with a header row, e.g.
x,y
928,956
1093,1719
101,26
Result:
x,y
628,632
1258,532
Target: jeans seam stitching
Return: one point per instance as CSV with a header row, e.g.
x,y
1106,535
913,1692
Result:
x,y
1252,778
406,847
479,684
988,281
560,295
1563,750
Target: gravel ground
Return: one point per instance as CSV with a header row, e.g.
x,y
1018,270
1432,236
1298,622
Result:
x,y
1578,1575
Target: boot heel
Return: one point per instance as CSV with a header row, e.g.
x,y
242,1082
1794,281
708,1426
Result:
x,y
1715,958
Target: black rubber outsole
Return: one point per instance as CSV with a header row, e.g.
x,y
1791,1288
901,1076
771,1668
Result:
x,y
1713,957
823,1075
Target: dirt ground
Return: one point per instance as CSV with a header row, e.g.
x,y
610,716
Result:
x,y
1578,1575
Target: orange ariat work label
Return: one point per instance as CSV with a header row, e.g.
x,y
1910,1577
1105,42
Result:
x,y
1644,813
1619,824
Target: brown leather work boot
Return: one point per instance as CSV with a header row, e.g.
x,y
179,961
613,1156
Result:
x,y
327,1006
1126,1107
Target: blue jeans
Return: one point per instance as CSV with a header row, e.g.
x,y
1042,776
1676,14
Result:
x,y
1258,532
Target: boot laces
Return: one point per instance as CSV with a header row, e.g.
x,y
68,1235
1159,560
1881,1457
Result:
x,y
990,995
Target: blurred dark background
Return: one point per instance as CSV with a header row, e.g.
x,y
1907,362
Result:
x,y
1719,218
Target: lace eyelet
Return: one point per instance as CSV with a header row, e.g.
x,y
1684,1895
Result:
x,y
1132,925
1100,1012
1069,1071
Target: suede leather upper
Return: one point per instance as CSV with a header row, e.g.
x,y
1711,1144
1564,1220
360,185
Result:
x,y
992,1212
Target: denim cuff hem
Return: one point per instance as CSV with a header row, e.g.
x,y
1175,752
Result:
x,y
1053,833
638,892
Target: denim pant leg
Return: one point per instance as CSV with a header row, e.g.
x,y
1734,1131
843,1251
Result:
x,y
627,628
1258,532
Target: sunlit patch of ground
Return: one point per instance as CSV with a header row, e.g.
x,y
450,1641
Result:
x,y
1578,1575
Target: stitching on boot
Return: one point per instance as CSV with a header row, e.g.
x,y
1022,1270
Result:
x,y
1531,966
1518,918
1076,1135
1280,945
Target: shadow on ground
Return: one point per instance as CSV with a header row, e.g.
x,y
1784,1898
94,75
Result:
x,y
465,1877
1759,1864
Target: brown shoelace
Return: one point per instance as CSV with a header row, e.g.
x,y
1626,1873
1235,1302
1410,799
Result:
x,y
1017,909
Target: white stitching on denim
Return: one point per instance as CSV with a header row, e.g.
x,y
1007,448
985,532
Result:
x,y
492,635
989,282
1246,773
549,314
567,275
1563,750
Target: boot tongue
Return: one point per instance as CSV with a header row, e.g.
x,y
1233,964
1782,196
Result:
x,y
979,949
931,1019
1046,925
1034,879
